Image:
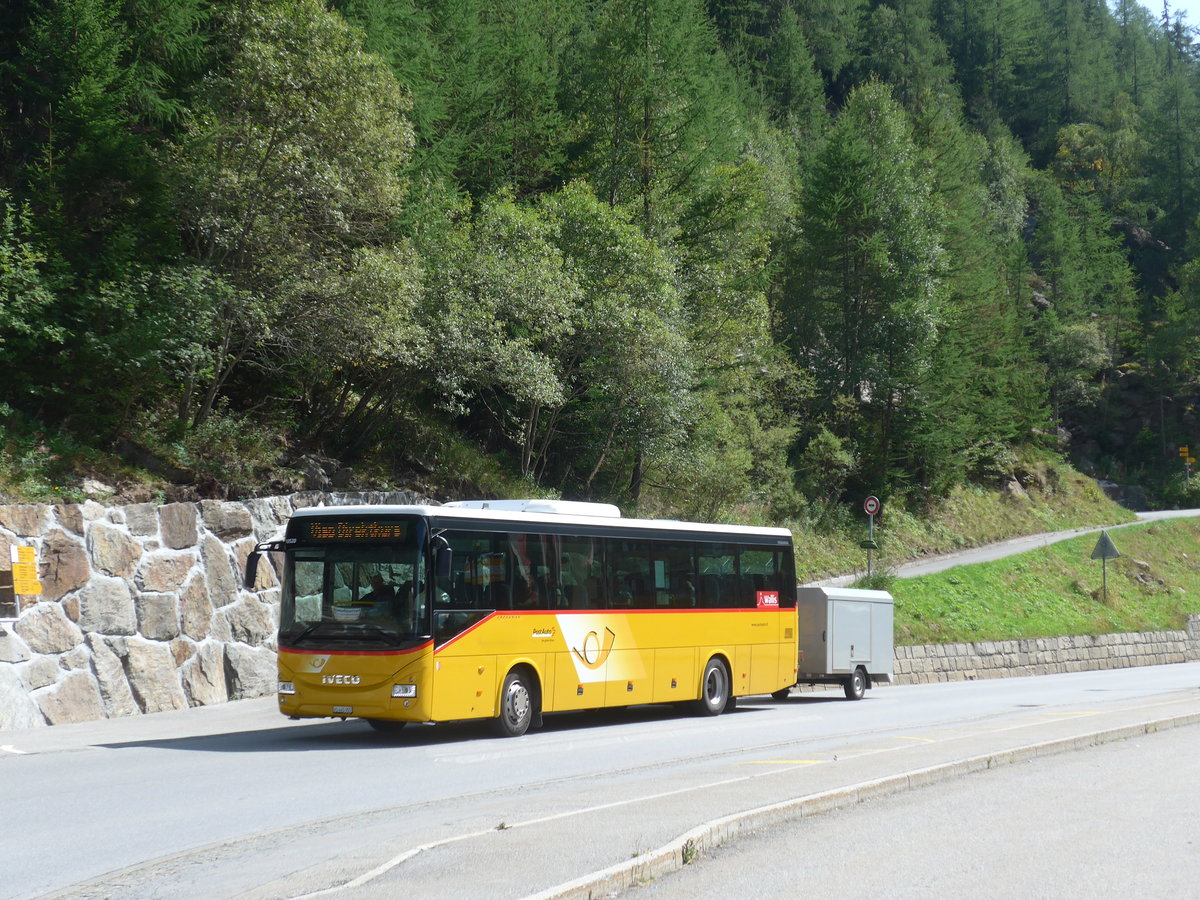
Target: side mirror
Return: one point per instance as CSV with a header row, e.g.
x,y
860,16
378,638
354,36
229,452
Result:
x,y
443,557
251,569
252,561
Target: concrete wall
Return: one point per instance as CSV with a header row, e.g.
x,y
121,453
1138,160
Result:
x,y
142,610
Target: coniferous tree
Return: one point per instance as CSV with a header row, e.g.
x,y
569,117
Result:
x,y
653,106
981,391
863,298
993,44
1173,120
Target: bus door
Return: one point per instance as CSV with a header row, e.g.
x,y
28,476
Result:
x,y
465,675
764,587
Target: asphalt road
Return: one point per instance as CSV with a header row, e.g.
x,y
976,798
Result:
x,y
236,801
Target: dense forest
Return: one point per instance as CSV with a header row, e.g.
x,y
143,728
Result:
x,y
735,258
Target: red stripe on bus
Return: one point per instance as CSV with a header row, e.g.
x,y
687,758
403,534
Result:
x,y
656,609
424,646
467,631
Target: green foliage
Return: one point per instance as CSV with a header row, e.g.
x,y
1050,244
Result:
x,y
27,291
824,466
233,449
288,162
723,259
878,580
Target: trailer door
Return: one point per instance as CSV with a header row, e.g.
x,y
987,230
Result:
x,y
850,635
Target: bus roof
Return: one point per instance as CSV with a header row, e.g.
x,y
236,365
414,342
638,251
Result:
x,y
517,516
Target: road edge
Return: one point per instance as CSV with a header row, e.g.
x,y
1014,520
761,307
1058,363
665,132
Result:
x,y
684,849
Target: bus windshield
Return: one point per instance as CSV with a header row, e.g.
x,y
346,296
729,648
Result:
x,y
354,596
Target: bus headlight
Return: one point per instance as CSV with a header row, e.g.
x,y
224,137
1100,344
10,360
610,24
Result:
x,y
404,690
287,687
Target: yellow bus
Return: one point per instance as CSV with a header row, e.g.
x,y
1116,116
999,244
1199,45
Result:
x,y
505,610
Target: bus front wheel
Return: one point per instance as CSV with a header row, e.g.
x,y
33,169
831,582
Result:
x,y
516,706
714,689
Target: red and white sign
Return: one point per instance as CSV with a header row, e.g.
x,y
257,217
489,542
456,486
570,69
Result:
x,y
871,505
768,599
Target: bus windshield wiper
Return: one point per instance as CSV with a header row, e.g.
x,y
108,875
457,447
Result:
x,y
297,638
382,634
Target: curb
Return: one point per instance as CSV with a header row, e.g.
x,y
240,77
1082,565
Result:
x,y
688,846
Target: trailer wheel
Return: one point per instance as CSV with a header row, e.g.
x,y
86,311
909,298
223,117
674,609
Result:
x,y
516,706
714,689
856,685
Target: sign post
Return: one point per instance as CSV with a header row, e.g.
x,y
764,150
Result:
x,y
1186,454
25,581
1104,551
870,507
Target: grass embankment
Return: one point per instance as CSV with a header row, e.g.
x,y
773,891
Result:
x,y
1058,590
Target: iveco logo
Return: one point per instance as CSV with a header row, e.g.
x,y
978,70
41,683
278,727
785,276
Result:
x,y
340,679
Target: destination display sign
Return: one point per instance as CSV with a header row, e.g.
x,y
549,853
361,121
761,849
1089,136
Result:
x,y
355,530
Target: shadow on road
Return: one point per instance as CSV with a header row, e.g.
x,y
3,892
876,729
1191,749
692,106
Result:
x,y
357,734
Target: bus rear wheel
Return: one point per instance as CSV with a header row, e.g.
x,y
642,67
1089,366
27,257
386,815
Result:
x,y
714,689
516,706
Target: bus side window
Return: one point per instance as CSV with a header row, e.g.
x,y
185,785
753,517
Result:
x,y
718,568
594,591
496,596
760,574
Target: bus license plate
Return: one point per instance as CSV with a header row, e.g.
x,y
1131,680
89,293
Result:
x,y
343,710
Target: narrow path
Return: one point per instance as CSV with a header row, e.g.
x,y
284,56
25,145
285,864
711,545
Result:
x,y
931,564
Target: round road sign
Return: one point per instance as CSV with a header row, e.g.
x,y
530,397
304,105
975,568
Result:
x,y
871,505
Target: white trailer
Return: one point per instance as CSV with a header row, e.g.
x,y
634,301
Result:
x,y
844,636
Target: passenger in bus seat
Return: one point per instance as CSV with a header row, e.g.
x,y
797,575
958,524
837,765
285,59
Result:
x,y
495,596
684,596
594,593
380,592
525,594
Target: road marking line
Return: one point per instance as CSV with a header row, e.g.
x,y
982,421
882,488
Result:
x,y
783,762
1070,715
390,864
9,748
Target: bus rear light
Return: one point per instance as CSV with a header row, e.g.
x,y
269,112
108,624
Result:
x,y
287,687
404,690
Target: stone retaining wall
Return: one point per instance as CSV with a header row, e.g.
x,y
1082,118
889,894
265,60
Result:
x,y
1045,656
142,611
142,608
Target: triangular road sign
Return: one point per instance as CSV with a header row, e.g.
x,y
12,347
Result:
x,y
1105,548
